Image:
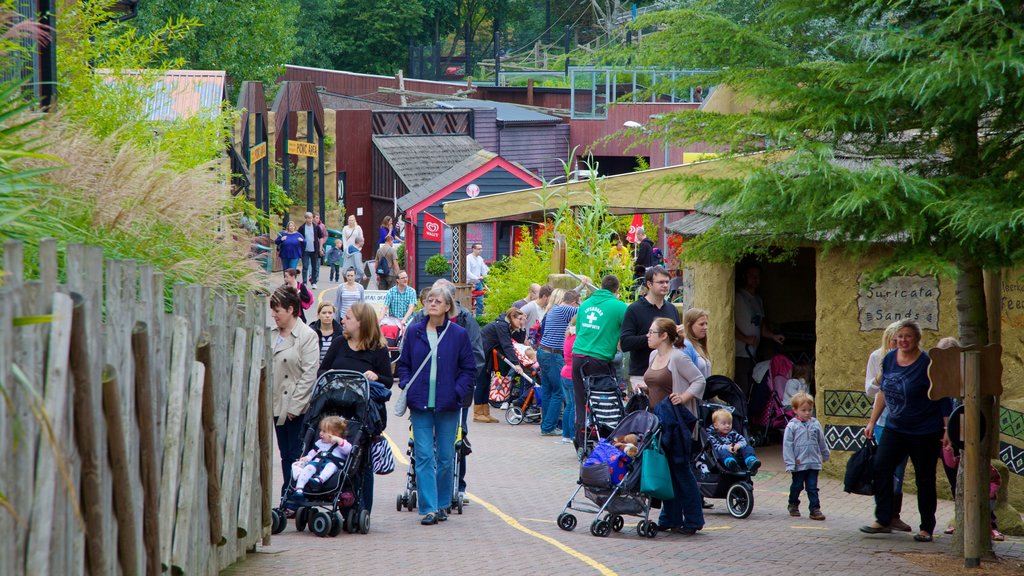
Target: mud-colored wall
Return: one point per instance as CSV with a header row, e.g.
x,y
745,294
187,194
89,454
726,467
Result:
x,y
714,291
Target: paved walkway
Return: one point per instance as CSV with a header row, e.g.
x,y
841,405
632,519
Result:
x,y
518,483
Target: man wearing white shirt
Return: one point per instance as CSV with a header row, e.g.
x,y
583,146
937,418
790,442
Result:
x,y
476,271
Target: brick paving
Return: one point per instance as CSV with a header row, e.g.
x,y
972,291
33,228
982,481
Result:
x,y
528,478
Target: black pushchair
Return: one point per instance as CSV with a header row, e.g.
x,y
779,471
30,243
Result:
x,y
605,407
335,504
608,501
713,479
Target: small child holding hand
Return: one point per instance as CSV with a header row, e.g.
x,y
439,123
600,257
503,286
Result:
x,y
729,446
324,458
804,450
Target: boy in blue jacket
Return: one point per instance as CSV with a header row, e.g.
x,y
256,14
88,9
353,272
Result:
x,y
804,450
729,446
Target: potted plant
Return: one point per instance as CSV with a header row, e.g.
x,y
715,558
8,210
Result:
x,y
438,265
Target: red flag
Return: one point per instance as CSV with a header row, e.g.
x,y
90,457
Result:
x,y
638,222
433,228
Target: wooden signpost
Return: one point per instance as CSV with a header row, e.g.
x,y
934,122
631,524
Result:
x,y
257,152
968,373
300,148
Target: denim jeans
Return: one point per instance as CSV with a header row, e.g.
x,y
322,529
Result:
x,y
551,389
310,266
479,286
287,263
434,447
686,509
569,415
805,480
289,444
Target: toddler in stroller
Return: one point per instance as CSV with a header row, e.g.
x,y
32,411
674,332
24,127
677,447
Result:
x,y
713,478
323,460
729,446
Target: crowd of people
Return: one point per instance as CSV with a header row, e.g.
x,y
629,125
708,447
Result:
x,y
447,361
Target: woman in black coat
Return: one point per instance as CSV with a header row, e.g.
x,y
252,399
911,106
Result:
x,y
497,335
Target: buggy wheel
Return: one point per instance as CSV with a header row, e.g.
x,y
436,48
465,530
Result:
x,y
350,521
321,524
740,500
400,503
277,521
364,521
459,501
600,528
514,415
336,523
641,528
617,523
652,529
566,521
412,500
301,518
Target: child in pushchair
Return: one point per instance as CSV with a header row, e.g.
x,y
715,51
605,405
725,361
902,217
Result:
x,y
323,460
714,478
729,446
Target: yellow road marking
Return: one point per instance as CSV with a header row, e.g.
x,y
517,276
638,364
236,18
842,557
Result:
x,y
710,528
601,568
538,520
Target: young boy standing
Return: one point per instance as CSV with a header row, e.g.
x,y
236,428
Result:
x,y
804,450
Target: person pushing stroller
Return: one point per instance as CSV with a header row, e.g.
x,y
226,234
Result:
x,y
324,459
729,446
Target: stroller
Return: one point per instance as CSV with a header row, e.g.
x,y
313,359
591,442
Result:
x,y
609,501
524,400
335,504
605,408
392,330
408,498
767,410
714,481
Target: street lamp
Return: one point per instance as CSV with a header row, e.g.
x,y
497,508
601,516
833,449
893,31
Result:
x,y
634,125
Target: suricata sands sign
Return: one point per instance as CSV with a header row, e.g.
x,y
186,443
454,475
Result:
x,y
899,298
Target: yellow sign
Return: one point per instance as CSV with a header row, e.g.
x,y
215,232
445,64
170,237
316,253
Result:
x,y
303,148
257,153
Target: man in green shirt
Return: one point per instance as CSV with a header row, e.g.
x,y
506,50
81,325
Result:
x,y
598,326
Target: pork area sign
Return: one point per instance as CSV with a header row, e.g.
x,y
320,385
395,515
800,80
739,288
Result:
x,y
899,298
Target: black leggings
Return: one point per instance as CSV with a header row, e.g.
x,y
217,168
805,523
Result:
x,y
923,450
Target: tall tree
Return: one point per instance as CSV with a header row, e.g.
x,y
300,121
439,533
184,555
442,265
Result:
x,y
249,39
906,121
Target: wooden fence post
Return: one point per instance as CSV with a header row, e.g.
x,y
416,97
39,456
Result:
x,y
177,390
9,523
186,514
127,553
144,409
233,443
203,355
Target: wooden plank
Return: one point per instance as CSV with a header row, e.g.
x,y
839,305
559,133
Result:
x,y
233,442
48,264
265,423
18,492
8,523
144,413
177,391
249,463
127,553
186,488
211,457
151,299
52,474
97,557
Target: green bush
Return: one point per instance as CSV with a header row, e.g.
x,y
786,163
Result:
x,y
401,256
438,265
509,279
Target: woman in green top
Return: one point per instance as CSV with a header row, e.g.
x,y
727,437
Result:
x,y
436,369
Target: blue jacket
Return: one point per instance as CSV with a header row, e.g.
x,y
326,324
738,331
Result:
x,y
456,367
289,246
676,436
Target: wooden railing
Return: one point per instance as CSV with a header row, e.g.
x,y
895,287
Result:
x,y
135,441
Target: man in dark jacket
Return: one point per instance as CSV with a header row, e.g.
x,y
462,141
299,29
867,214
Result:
x,y
638,319
312,250
644,250
684,513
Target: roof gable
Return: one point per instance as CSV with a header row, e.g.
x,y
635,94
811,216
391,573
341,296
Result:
x,y
417,159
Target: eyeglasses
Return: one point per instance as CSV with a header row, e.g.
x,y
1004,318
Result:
x,y
435,301
653,332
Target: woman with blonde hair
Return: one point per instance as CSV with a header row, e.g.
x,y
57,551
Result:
x,y
695,342
497,337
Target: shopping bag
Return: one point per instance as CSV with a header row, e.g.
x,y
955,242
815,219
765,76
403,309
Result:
x,y
655,476
860,471
501,387
383,458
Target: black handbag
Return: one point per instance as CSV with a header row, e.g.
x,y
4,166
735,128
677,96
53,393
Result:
x,y
860,471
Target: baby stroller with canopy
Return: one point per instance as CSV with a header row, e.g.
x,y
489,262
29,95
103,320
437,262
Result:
x,y
766,409
609,500
391,328
713,479
605,406
408,498
335,504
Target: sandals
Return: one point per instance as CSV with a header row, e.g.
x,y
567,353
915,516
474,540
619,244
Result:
x,y
876,528
922,537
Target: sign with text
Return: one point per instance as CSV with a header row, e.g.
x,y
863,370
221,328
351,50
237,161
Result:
x,y
899,298
1012,303
375,298
433,228
257,153
300,148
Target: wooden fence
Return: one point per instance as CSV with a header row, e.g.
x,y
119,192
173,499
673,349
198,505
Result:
x,y
135,441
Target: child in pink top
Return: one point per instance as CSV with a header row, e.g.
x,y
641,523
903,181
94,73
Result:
x,y
569,414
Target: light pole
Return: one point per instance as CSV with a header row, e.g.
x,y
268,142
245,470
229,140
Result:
x,y
633,124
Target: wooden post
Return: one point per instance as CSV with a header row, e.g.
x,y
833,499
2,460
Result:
x,y
974,459
266,470
85,438
249,440
144,408
210,455
177,390
185,514
233,443
127,554
8,523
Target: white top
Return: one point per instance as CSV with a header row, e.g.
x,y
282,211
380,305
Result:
x,y
309,236
534,313
874,368
349,236
793,387
476,268
749,311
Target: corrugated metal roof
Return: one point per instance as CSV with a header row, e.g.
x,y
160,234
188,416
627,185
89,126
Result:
x,y
417,159
507,113
423,191
187,93
693,224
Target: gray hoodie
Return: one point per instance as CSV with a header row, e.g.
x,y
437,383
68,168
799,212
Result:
x,y
803,445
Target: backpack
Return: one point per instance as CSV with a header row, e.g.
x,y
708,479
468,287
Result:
x,y
860,471
383,269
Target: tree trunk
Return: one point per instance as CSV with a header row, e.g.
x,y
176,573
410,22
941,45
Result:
x,y
972,320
